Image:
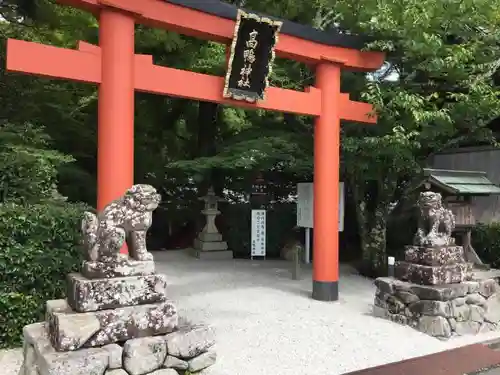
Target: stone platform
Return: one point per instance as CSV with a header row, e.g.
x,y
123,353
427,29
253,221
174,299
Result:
x,y
189,348
433,265
441,311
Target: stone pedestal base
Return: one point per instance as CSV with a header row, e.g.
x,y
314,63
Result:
x,y
211,255
70,331
190,348
86,295
440,311
434,256
128,267
209,246
433,275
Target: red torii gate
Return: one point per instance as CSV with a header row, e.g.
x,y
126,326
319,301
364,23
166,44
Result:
x,y
118,71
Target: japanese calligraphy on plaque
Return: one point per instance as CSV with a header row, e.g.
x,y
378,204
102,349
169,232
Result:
x,y
258,235
252,56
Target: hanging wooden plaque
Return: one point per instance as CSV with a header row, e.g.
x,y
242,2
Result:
x,y
251,58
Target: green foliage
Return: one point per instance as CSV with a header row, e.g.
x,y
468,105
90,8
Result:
x,y
39,231
281,219
17,309
39,245
28,170
486,242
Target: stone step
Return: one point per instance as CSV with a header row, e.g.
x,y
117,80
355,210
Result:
x,y
85,295
70,330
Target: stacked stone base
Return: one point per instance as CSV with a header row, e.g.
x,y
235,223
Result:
x,y
116,320
434,265
188,348
210,246
442,311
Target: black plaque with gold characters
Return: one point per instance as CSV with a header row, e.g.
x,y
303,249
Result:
x,y
252,55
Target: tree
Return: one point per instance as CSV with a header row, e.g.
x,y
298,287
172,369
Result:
x,y
444,55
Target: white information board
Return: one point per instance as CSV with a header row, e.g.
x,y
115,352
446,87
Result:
x,y
258,240
305,205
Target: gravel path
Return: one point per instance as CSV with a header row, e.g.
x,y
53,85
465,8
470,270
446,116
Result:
x,y
268,325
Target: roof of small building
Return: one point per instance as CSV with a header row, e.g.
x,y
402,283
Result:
x,y
329,37
461,182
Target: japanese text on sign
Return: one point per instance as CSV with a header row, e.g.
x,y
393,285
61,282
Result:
x,y
258,240
249,58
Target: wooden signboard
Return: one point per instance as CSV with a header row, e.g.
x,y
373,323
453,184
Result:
x,y
251,58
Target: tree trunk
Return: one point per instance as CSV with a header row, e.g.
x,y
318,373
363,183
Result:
x,y
373,240
372,227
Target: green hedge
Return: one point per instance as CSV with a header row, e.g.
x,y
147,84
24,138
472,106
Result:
x,y
280,218
486,242
39,245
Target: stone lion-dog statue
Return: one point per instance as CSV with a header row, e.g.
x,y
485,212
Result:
x,y
436,223
126,219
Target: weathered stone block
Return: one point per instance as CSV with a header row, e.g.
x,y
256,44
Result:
x,y
86,295
202,361
488,287
144,355
432,275
406,297
426,292
190,341
431,308
434,256
467,328
81,362
49,362
476,299
175,363
115,356
114,325
130,267
385,284
492,308
165,371
434,326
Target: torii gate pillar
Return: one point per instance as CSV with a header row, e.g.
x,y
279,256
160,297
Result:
x,y
115,150
326,184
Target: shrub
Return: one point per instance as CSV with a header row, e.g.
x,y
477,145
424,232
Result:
x,y
39,245
486,242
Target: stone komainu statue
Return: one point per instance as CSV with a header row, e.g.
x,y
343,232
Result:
x,y
436,223
125,219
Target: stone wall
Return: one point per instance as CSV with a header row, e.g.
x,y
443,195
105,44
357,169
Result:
x,y
189,348
442,311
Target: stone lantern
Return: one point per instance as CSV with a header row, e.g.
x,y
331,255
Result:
x,y
209,243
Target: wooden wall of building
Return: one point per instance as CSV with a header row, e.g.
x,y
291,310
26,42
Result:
x,y
485,209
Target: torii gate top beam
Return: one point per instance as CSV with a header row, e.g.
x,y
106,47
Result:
x,y
215,20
